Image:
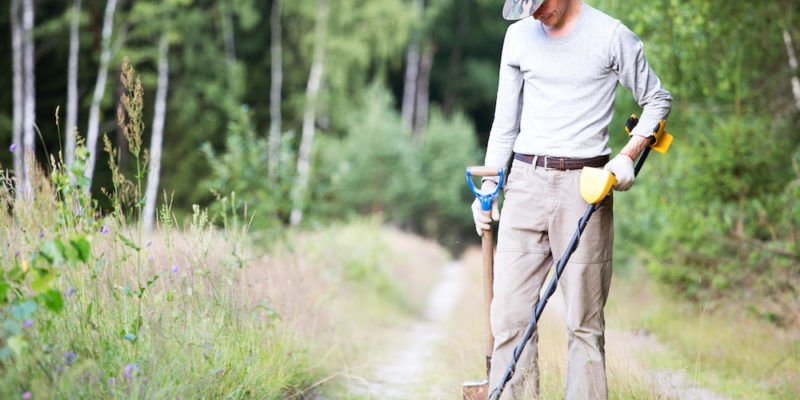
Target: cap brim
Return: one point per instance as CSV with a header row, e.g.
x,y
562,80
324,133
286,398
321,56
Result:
x,y
519,9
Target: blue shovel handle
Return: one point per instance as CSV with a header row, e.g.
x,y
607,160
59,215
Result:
x,y
485,199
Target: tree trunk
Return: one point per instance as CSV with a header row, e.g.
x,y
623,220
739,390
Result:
x,y
99,89
16,63
456,59
151,193
70,129
787,39
410,84
412,69
276,86
309,115
28,129
423,94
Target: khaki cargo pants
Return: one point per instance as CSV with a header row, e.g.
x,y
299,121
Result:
x,y
539,216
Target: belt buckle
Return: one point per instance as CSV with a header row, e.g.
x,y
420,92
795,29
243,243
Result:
x,y
560,165
546,163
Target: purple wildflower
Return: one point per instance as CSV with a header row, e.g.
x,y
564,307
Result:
x,y
12,147
27,395
130,370
69,357
70,291
175,269
27,323
221,371
111,380
104,229
41,235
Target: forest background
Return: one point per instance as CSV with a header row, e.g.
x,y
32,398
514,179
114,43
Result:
x,y
319,111
403,98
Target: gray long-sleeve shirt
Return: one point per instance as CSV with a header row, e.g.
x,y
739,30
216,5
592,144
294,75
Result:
x,y
556,95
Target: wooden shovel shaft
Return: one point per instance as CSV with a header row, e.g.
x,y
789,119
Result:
x,y
487,244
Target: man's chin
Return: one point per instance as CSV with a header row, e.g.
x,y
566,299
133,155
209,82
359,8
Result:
x,y
548,20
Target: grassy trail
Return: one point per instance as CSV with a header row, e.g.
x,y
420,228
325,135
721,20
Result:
x,y
460,357
400,371
643,360
356,311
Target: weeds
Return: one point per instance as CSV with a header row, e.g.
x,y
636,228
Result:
x,y
93,307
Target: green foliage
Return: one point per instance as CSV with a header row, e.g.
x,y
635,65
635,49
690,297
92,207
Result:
x,y
30,283
362,40
717,215
373,169
242,170
379,168
449,145
718,246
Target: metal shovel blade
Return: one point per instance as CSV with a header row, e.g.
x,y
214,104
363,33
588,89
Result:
x,y
476,390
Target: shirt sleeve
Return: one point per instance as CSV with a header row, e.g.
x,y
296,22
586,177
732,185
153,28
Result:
x,y
505,127
628,60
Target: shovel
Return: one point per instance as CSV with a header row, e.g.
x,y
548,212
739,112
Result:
x,y
479,390
595,185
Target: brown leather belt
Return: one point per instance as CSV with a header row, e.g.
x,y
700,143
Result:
x,y
561,163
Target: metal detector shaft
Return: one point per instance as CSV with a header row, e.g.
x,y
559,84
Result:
x,y
551,287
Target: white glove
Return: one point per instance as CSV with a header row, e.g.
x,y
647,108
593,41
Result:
x,y
483,221
622,168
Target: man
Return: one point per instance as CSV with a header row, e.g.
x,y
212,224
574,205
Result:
x,y
558,76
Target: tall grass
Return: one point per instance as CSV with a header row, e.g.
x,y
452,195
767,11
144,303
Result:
x,y
93,307
724,347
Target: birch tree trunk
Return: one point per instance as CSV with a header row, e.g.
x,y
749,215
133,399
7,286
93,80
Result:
x,y
29,107
151,193
92,132
410,84
276,86
16,66
309,115
423,93
407,110
787,39
70,130
412,71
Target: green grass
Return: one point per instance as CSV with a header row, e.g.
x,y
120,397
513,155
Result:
x,y
363,314
723,348
181,334
93,307
179,313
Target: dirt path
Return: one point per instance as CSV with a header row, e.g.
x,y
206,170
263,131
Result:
x,y
399,373
444,347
